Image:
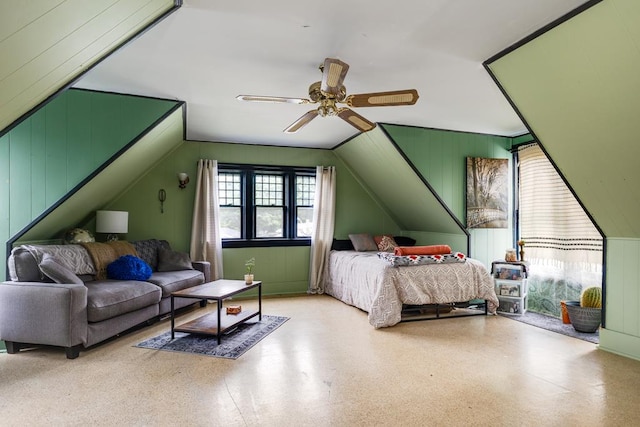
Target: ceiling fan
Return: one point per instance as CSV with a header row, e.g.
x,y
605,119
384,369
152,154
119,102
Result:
x,y
330,91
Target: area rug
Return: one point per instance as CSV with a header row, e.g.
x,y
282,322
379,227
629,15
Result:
x,y
554,324
234,343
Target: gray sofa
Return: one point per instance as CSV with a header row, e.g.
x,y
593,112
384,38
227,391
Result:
x,y
39,307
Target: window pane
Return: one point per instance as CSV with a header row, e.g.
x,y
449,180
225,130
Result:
x,y
304,221
305,190
269,222
229,189
269,190
230,222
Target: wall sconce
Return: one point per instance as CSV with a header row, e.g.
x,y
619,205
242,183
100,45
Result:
x,y
183,178
112,223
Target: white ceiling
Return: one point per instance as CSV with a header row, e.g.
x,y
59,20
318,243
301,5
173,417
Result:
x,y
208,52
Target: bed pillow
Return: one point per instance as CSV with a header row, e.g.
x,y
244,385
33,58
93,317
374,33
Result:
x,y
342,245
128,267
51,268
385,243
169,260
404,241
363,242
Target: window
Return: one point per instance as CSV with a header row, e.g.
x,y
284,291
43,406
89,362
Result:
x,y
230,200
563,247
265,206
552,222
305,195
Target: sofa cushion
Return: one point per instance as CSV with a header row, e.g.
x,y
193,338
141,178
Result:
x,y
109,298
128,267
73,257
171,281
169,260
57,272
148,250
22,266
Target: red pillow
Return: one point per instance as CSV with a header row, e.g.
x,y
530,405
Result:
x,y
423,250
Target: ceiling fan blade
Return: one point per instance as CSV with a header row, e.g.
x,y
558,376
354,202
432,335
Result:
x,y
355,119
333,73
302,121
276,99
383,99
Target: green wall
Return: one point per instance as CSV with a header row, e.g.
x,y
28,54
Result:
x,y
440,157
55,149
284,270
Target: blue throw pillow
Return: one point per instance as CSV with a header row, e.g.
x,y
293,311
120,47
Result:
x,y
128,267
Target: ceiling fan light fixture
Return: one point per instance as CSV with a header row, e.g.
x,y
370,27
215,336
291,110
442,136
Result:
x,y
355,120
383,99
395,99
272,99
315,93
330,91
334,74
302,121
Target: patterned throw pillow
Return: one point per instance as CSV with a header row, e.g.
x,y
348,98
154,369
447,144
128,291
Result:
x,y
386,243
148,250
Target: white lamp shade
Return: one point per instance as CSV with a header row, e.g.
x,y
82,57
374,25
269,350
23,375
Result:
x,y
112,222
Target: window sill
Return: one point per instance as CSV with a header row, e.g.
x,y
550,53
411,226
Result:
x,y
265,243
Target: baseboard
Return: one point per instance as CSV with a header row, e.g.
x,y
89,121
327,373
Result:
x,y
619,343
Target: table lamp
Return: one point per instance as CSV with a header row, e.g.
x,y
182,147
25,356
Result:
x,y
112,223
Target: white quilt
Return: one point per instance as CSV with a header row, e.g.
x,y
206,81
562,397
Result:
x,y
365,281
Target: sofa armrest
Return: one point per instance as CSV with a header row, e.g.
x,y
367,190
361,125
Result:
x,y
204,267
43,313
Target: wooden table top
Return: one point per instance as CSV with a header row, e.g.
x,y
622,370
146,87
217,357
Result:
x,y
218,289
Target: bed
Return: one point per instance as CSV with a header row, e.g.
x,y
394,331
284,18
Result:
x,y
372,284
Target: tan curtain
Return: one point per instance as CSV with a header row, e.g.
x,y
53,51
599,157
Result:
x,y
559,236
206,242
323,226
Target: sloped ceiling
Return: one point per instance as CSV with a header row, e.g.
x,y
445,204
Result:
x,y
208,52
44,45
577,88
374,158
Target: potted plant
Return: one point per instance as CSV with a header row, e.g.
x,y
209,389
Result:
x,y
249,264
587,316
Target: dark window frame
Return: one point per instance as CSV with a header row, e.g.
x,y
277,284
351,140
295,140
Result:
x,y
248,221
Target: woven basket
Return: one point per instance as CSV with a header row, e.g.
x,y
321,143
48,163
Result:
x,y
584,319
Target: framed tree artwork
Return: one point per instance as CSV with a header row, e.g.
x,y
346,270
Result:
x,y
487,192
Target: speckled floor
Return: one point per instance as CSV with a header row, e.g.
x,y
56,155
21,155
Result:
x,y
327,367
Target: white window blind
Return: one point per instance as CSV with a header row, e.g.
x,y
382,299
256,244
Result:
x,y
556,230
